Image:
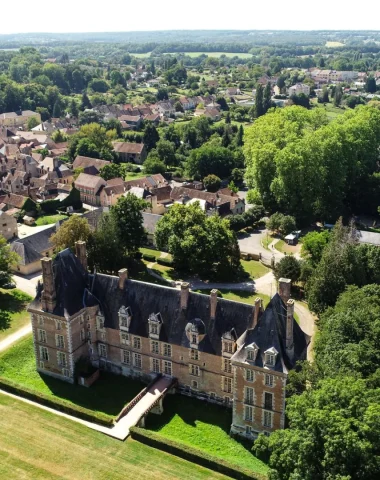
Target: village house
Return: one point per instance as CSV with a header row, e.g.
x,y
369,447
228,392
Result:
x,y
130,152
89,188
18,118
13,181
8,225
91,166
132,121
299,88
220,351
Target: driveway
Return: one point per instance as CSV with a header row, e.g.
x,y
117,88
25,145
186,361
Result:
x,y
251,243
27,284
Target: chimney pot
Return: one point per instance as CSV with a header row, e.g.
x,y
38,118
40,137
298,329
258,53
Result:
x,y
81,253
213,302
289,326
185,290
284,288
48,296
123,275
257,310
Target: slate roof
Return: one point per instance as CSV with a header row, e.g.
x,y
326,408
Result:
x,y
31,247
150,221
269,332
89,181
76,289
126,147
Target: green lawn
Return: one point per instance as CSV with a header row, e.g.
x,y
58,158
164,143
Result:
x,y
133,176
254,268
204,426
216,54
35,444
150,251
48,219
108,395
13,315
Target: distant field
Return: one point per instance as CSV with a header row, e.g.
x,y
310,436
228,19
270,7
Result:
x,y
334,44
197,54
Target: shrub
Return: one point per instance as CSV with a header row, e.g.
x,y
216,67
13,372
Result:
x,y
165,261
288,267
192,454
56,403
148,257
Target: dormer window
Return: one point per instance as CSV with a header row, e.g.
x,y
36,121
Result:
x,y
252,351
270,357
228,343
125,317
155,323
194,339
100,321
195,332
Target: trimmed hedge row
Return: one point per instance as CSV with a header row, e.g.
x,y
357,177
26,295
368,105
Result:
x,y
148,257
167,262
56,403
194,455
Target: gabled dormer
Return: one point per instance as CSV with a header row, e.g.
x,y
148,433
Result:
x,y
270,357
195,332
251,352
125,317
229,343
155,324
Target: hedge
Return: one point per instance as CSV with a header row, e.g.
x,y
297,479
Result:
x,y
194,455
56,403
149,258
165,261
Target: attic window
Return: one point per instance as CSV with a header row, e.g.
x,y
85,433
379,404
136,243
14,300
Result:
x,y
155,323
252,351
270,357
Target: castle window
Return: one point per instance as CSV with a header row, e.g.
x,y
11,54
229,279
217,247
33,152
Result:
x,y
248,413
59,325
227,384
227,365
252,351
212,396
268,401
44,354
154,329
137,362
270,357
194,384
125,317
40,320
42,336
155,323
249,375
248,395
194,339
194,370
137,343
124,338
126,357
268,419
59,341
194,354
155,365
61,357
268,380
82,335
65,372
100,321
155,347
102,350
167,367
227,347
167,350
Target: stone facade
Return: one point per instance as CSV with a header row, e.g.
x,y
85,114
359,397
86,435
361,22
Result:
x,y
141,330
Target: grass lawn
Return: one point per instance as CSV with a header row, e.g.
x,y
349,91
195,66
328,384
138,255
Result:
x,y
144,276
48,219
35,444
204,426
108,395
255,269
283,247
13,302
216,54
133,176
150,251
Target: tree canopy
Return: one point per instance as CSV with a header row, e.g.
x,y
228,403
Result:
x,y
72,230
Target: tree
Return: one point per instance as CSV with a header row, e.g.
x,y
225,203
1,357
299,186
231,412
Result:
x,y
281,82
199,243
288,267
112,170
85,102
208,160
370,85
153,164
57,110
32,122
259,98
313,244
274,222
151,136
237,176
178,107
8,259
338,96
288,225
211,183
233,187
228,118
162,94
223,104
127,213
72,230
166,152
253,197
267,97
59,137
226,139
240,136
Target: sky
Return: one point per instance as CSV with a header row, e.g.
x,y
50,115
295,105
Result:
x,y
133,15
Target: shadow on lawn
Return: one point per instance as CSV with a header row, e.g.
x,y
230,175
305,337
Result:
x,y
108,395
13,301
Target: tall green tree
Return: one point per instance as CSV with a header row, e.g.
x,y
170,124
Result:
x,y
71,231
8,260
267,97
151,136
259,99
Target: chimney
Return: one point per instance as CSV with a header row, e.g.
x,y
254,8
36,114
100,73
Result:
x,y
81,253
123,275
257,310
284,287
185,289
289,326
213,302
48,296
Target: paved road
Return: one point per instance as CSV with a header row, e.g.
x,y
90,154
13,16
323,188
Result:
x,y
251,243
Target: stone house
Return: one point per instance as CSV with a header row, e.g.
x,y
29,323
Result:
x,y
130,152
13,181
91,166
89,188
141,330
18,118
8,226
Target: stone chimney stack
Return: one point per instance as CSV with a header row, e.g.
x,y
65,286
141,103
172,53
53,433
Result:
x,y
213,302
185,290
258,308
123,275
81,253
289,326
284,287
48,296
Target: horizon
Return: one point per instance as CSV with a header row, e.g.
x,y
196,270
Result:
x,y
82,17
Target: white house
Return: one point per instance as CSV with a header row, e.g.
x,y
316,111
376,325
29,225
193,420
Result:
x,y
299,88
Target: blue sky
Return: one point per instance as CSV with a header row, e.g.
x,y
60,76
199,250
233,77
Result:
x,y
132,15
